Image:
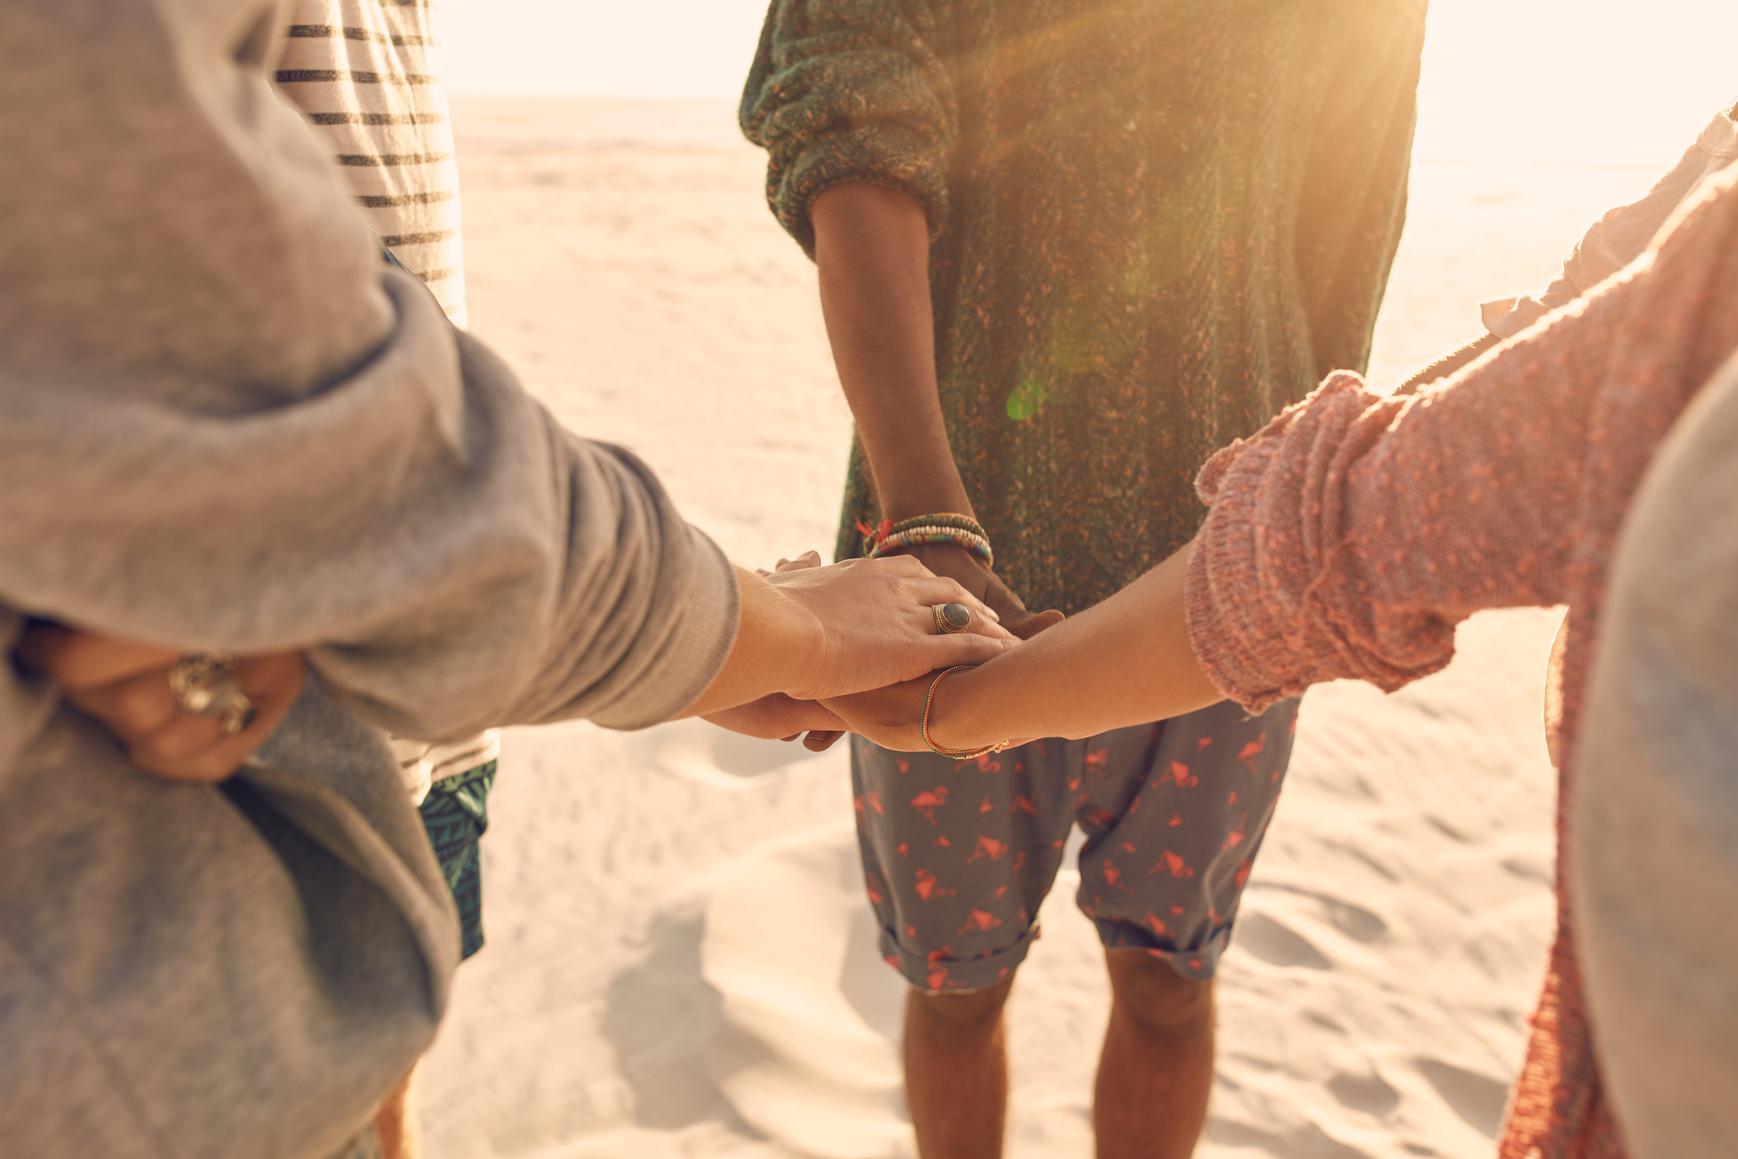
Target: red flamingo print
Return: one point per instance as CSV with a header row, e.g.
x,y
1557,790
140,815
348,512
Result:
x,y
988,847
928,801
928,887
980,921
1175,864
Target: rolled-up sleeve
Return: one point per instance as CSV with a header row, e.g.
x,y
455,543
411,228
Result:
x,y
1350,537
849,91
225,424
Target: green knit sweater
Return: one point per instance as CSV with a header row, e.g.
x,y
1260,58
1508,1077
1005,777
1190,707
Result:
x,y
1154,223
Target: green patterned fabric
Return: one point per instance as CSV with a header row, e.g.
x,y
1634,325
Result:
x,y
456,814
1155,224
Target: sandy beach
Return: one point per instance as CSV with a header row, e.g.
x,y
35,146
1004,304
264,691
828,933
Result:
x,y
680,961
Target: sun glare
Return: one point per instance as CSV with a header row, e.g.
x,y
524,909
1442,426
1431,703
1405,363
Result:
x,y
1563,81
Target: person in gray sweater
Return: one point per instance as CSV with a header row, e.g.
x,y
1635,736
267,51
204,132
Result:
x,y
226,427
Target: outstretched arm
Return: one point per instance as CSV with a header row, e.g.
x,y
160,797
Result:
x,y
851,626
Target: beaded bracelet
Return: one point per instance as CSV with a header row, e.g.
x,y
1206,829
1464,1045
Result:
x,y
919,536
923,723
942,527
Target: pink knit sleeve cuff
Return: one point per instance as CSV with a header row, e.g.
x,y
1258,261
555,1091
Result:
x,y
1277,596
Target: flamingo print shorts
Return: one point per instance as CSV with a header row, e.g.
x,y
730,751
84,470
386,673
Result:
x,y
958,855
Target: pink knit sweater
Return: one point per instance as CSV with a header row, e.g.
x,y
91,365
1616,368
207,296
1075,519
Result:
x,y
1350,536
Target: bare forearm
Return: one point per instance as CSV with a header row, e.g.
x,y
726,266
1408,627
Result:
x,y
872,256
1125,661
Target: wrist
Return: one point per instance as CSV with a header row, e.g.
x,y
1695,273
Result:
x,y
950,718
803,638
933,529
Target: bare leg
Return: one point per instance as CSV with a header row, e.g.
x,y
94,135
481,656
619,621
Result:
x,y
956,1072
396,1122
1156,1071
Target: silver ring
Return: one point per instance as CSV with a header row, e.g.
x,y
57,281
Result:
x,y
204,684
951,618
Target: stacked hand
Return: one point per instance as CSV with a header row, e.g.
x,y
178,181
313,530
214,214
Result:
x,y
886,712
975,576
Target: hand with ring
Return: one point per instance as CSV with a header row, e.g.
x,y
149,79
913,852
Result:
x,y
879,621
189,717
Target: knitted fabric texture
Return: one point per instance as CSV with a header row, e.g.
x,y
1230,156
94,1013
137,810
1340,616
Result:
x,y
1155,224
1349,537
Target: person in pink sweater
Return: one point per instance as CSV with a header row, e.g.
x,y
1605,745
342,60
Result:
x,y
1350,536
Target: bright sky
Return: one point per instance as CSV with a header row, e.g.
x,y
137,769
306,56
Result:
x,y
1614,81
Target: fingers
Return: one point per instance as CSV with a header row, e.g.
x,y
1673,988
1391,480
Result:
x,y
1031,623
932,590
966,648
162,739
776,717
75,659
131,708
808,559
819,741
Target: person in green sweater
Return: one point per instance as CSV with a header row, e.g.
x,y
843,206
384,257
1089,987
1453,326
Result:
x,y
1066,251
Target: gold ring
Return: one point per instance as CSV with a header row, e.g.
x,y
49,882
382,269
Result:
x,y
204,684
951,618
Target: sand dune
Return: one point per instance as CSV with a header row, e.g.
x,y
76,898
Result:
x,y
680,962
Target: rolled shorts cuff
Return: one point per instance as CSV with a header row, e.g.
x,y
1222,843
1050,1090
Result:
x,y
1200,964
938,974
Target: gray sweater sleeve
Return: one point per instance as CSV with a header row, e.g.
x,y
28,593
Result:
x,y
223,424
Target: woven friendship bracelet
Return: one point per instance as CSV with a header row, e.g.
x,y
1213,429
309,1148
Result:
x,y
923,724
918,536
941,527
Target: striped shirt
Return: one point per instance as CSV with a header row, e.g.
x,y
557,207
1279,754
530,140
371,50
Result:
x,y
367,73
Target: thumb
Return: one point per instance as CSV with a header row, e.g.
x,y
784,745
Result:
x,y
1031,623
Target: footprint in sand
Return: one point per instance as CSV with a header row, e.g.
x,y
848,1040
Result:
x,y
1476,1098
1277,944
1354,921
1366,1092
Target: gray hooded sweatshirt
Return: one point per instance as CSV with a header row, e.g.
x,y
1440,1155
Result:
x,y
224,425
